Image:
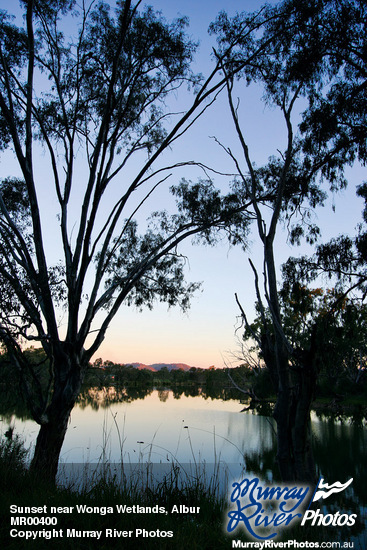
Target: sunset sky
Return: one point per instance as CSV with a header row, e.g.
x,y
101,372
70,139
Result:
x,y
205,335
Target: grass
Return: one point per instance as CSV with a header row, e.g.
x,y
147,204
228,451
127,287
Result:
x,y
194,531
108,489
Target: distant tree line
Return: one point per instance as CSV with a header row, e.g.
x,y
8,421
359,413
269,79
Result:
x,y
128,375
343,372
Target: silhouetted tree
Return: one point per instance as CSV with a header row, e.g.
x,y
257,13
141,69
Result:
x,y
317,54
97,108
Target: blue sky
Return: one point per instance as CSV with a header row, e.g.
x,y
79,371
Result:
x,y
205,335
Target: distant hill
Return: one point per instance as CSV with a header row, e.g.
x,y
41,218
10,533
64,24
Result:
x,y
159,366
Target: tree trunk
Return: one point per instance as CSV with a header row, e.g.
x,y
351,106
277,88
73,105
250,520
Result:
x,y
48,446
283,417
305,383
284,412
295,389
292,414
67,384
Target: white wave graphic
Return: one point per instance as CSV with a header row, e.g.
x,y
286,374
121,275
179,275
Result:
x,y
324,490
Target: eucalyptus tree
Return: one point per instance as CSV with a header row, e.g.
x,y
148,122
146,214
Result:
x,y
87,118
337,324
316,60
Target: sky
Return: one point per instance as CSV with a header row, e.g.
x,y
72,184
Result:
x,y
206,335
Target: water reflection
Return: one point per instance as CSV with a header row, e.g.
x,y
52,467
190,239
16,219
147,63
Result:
x,y
340,449
164,426
210,423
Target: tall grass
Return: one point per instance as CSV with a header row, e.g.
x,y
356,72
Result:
x,y
107,488
152,465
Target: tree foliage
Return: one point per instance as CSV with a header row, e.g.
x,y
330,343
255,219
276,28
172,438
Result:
x,y
337,323
97,103
310,75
